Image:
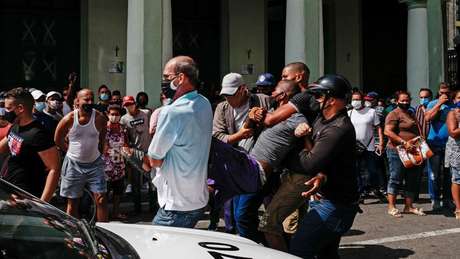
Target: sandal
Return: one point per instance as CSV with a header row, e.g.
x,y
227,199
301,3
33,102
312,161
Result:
x,y
457,214
416,211
394,212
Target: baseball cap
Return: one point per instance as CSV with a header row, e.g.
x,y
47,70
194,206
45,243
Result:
x,y
230,83
265,79
372,95
128,100
49,94
36,94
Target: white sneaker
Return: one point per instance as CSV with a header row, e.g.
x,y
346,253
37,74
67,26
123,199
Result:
x,y
436,205
129,188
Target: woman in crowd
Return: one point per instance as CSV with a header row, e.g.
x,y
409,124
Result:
x,y
400,128
453,151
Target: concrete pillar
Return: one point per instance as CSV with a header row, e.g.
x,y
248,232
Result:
x,y
149,46
304,35
437,43
417,46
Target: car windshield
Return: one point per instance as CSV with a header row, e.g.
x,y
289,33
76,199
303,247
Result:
x,y
30,228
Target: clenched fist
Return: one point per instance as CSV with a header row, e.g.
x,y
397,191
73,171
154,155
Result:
x,y
302,130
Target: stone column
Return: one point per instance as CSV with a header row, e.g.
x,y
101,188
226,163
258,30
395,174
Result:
x,y
304,35
417,46
149,46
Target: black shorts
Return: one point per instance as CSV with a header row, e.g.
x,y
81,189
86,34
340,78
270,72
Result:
x,y
117,186
287,199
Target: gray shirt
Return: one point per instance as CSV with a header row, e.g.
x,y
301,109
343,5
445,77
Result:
x,y
138,130
275,142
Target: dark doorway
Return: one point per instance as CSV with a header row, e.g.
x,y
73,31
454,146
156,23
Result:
x,y
196,33
276,35
384,46
40,42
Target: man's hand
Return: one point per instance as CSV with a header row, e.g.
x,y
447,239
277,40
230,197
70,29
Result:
x,y
443,99
315,183
302,130
257,114
245,133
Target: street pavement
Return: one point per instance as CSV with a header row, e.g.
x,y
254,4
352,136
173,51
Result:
x,y
375,234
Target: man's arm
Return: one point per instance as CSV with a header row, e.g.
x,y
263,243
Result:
x,y
380,133
167,132
432,112
220,128
50,158
101,124
4,146
325,146
62,130
280,114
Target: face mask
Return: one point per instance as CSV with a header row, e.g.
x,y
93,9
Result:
x,y
404,106
367,104
10,116
356,104
54,104
114,119
167,90
457,104
40,106
104,97
2,111
87,107
166,101
424,101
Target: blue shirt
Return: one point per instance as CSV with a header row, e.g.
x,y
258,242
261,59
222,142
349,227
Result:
x,y
438,134
182,140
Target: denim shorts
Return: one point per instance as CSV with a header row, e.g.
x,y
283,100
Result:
x,y
75,176
455,175
174,218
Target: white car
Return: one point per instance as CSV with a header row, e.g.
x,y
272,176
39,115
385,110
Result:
x,y
30,228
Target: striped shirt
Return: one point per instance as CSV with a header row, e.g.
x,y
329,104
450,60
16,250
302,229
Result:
x,y
423,124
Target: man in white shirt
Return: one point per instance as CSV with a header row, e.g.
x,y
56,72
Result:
x,y
365,120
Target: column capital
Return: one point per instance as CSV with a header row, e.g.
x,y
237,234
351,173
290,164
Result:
x,y
411,4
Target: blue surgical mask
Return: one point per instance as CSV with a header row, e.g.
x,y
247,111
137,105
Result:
x,y
104,97
424,101
40,106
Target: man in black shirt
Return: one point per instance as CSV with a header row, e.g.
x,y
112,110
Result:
x,y
32,151
330,159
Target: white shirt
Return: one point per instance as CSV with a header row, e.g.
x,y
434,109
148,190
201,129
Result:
x,y
182,140
364,121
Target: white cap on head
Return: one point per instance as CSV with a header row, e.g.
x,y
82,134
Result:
x,y
230,83
36,94
48,95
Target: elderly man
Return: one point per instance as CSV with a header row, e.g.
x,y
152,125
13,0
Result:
x,y
83,166
180,148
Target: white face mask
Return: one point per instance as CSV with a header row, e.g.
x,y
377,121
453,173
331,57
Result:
x,y
367,104
114,119
356,104
167,101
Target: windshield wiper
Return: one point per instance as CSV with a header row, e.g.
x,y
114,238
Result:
x,y
88,232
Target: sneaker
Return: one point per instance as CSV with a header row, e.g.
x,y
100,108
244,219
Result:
x,y
435,205
129,188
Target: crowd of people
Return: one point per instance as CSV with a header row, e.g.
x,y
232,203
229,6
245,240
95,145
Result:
x,y
309,153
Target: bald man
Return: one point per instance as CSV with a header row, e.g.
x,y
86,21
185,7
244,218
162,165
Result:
x,y
83,166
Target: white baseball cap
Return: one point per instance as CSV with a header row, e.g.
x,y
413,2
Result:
x,y
49,94
230,83
36,94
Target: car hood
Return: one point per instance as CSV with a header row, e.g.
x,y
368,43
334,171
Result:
x,y
169,242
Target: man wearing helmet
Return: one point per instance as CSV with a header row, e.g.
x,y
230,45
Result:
x,y
328,157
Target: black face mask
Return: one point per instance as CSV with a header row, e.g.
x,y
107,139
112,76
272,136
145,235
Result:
x,y
10,116
87,107
404,106
166,89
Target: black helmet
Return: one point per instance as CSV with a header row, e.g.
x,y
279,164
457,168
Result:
x,y
331,85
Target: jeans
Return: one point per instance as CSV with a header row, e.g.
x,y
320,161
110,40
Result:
x,y
374,179
321,229
399,175
245,210
174,218
439,178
